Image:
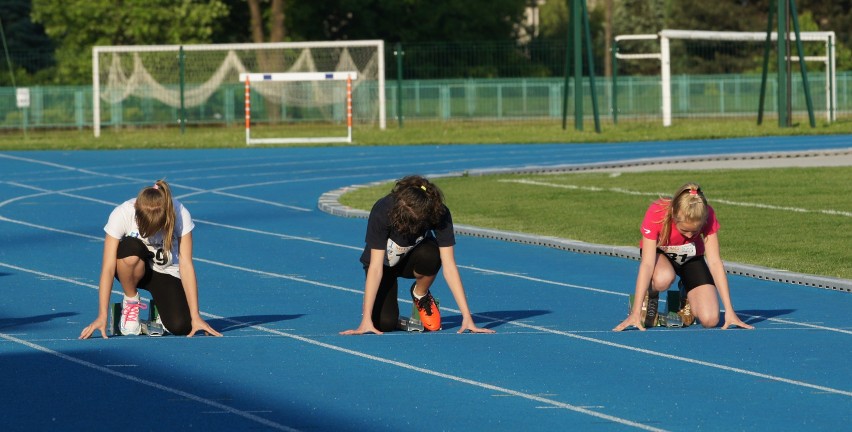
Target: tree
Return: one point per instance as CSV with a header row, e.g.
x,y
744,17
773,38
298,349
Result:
x,y
405,20
268,60
275,28
78,25
30,49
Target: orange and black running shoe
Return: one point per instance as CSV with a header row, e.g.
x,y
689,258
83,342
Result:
x,y
428,308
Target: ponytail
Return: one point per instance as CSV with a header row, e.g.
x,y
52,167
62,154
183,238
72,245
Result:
x,y
688,204
155,212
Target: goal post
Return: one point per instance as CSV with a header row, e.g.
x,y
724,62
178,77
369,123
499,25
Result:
x,y
664,56
249,78
161,85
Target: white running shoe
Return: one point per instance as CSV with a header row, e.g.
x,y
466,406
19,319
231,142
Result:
x,y
129,324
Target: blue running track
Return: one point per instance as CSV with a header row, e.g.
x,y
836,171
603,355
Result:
x,y
280,279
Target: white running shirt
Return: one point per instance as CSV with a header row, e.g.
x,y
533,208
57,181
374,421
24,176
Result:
x,y
122,223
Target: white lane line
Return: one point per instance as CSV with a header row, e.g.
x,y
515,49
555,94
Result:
x,y
603,291
247,415
135,180
514,323
308,281
715,200
152,384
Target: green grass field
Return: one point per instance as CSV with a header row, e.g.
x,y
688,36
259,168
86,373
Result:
x,y
413,133
794,219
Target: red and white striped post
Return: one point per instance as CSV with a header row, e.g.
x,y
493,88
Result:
x,y
349,106
248,110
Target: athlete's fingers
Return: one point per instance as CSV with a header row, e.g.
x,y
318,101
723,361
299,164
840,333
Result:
x,y
737,324
360,332
475,329
627,323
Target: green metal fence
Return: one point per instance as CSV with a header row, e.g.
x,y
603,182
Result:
x,y
481,99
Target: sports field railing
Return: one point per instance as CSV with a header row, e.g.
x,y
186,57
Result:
x,y
440,100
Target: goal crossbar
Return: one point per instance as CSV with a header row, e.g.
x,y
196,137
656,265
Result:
x,y
664,56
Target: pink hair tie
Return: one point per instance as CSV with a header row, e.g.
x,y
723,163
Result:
x,y
693,191
156,186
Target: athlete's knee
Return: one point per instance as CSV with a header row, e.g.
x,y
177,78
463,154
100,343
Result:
x,y
426,259
130,262
180,326
662,282
387,323
708,320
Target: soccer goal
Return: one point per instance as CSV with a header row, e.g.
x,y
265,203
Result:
x,y
275,86
168,85
664,56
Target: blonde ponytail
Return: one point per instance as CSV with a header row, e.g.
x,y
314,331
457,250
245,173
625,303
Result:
x,y
155,212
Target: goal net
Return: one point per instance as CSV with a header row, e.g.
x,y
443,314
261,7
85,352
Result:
x,y
715,73
165,85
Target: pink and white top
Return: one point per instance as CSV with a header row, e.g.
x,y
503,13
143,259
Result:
x,y
680,248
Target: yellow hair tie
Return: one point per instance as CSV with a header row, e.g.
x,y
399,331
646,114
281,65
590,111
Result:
x,y
423,187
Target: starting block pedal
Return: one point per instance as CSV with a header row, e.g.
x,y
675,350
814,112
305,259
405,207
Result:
x,y
410,324
649,312
150,327
651,316
413,324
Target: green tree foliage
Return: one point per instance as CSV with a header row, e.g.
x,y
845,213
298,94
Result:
x,y
78,25
405,20
30,50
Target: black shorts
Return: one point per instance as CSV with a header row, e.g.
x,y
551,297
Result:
x,y
424,259
692,273
166,290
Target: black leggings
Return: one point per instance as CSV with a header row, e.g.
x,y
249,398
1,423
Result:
x,y
693,273
425,260
166,290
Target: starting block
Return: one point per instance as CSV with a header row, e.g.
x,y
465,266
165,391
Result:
x,y
413,324
674,316
150,327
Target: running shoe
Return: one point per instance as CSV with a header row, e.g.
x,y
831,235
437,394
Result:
x,y
650,308
428,309
685,311
129,324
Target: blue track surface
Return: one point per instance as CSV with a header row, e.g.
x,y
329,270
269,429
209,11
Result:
x,y
280,279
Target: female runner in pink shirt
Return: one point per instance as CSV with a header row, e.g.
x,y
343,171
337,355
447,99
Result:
x,y
679,238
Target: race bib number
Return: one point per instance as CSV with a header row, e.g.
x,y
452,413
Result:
x,y
680,254
395,252
161,258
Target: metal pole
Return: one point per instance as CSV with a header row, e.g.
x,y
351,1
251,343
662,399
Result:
x,y
763,77
804,71
181,63
397,51
615,82
8,58
577,56
783,121
590,60
568,55
788,61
